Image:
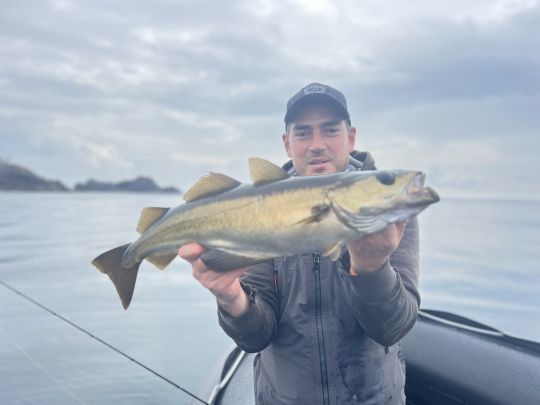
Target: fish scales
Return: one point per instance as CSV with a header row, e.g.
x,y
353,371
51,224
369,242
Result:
x,y
215,223
240,224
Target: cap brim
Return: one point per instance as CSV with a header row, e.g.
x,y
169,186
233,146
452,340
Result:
x,y
311,98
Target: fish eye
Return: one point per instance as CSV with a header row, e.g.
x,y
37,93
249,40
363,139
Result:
x,y
386,178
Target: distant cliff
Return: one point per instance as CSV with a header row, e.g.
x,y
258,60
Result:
x,y
140,185
17,178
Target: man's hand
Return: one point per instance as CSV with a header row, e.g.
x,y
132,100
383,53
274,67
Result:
x,y
225,286
370,252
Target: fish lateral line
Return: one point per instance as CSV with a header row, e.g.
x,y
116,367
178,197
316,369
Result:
x,y
275,216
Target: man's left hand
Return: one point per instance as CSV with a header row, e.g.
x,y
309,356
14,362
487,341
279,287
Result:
x,y
370,252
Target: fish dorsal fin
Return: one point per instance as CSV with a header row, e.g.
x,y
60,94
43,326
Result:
x,y
149,216
262,171
209,185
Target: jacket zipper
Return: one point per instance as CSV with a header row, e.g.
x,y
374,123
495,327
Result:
x,y
320,333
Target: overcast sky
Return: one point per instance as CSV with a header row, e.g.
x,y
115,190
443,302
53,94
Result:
x,y
172,89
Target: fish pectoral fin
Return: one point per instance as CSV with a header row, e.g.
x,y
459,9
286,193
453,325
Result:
x,y
333,251
222,261
318,212
361,223
149,216
210,185
161,261
262,171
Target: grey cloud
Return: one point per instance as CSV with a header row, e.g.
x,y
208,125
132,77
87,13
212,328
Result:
x,y
157,84
445,60
514,117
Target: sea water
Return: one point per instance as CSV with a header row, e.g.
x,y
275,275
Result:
x,y
478,259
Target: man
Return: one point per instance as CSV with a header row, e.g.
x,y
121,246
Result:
x,y
326,332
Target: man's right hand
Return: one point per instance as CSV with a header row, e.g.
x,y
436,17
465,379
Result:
x,y
225,286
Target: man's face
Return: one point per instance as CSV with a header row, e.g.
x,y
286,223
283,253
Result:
x,y
319,141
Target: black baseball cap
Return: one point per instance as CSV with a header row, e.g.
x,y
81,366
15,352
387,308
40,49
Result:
x,y
317,91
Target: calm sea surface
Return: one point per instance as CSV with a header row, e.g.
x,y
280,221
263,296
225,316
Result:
x,y
478,258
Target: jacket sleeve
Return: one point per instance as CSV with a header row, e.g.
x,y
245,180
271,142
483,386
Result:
x,y
386,302
255,329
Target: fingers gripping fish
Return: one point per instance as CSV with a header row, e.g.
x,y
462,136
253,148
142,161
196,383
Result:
x,y
277,215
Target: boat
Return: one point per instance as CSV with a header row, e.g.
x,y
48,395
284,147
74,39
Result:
x,y
450,360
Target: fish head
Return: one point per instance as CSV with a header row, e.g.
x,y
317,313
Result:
x,y
392,195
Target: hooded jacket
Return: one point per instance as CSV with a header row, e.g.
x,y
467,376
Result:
x,y
323,335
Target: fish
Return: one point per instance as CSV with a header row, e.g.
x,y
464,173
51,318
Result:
x,y
276,215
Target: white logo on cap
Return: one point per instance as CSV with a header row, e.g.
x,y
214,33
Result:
x,y
314,88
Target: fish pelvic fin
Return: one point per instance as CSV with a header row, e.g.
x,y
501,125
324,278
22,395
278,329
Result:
x,y
123,278
333,251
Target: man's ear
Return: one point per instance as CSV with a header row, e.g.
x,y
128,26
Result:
x,y
352,138
287,144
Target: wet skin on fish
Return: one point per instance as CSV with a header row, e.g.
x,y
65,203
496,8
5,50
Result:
x,y
277,215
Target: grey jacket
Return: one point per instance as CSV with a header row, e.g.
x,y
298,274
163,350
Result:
x,y
324,336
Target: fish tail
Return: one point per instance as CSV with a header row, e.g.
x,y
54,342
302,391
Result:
x,y
123,278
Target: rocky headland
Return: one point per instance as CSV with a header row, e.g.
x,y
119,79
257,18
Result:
x,y
17,178
14,177
139,185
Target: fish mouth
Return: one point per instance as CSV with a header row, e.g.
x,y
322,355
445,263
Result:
x,y
420,194
416,184
433,194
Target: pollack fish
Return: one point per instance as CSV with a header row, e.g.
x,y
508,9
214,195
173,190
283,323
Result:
x,y
278,215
